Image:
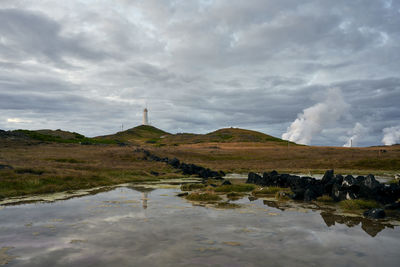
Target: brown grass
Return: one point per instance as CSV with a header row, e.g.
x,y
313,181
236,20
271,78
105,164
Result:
x,y
53,167
259,157
57,167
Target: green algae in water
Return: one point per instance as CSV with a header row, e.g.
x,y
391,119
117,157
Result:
x,y
191,187
227,205
270,190
235,188
203,197
358,204
5,258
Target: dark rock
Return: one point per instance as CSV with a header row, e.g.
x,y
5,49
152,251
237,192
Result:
x,y
251,198
348,181
273,173
338,179
3,166
375,213
122,144
154,173
360,180
226,182
213,185
182,194
371,182
86,143
254,178
155,158
174,162
312,193
337,193
328,177
328,180
392,206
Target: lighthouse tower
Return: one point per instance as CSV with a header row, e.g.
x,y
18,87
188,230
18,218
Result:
x,y
145,117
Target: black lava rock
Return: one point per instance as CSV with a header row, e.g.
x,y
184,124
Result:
x,y
375,214
254,178
2,166
226,182
174,162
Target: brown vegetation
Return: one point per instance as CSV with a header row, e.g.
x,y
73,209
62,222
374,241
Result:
x,y
44,168
259,157
42,162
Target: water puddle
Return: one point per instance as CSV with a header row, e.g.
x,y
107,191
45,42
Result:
x,y
148,225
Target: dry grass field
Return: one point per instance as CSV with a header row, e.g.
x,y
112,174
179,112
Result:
x,y
244,157
46,164
44,168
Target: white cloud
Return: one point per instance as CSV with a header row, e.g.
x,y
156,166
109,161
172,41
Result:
x,y
391,135
356,133
18,120
317,117
89,66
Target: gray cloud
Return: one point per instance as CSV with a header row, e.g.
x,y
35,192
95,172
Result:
x,y
32,35
199,65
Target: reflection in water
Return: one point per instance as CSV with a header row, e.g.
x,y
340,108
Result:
x,y
369,226
145,192
144,200
274,204
166,230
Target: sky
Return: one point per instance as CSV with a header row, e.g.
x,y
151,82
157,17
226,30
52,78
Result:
x,y
317,72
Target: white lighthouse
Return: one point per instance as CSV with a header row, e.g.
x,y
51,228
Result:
x,y
145,117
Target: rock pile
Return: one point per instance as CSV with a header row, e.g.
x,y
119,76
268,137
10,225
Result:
x,y
336,186
187,169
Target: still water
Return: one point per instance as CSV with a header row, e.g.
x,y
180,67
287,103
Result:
x,y
150,226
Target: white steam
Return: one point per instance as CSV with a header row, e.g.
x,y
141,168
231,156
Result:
x,y
315,118
356,133
391,135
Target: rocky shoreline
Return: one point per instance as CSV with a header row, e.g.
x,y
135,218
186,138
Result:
x,y
186,168
335,186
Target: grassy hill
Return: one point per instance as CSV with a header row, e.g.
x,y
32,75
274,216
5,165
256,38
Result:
x,y
226,135
153,135
146,134
241,135
57,136
142,133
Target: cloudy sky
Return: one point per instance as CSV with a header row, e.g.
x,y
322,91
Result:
x,y
315,71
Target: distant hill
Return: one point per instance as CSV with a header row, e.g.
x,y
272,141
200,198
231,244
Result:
x,y
142,133
153,135
57,136
241,135
145,134
226,135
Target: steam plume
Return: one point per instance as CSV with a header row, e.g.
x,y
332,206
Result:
x,y
391,135
357,132
315,118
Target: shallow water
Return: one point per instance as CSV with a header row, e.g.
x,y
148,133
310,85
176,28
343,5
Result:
x,y
150,226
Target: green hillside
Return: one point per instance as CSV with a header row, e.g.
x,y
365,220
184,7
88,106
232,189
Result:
x,y
226,135
146,134
142,133
153,135
57,136
240,135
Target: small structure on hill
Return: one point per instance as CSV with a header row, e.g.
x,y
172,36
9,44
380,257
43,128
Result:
x,y
145,117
